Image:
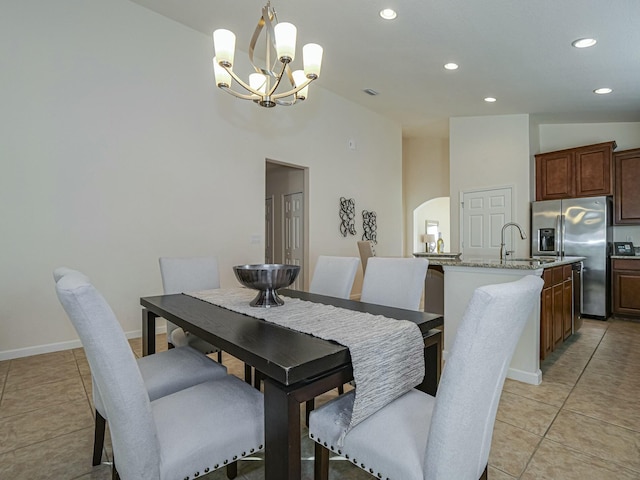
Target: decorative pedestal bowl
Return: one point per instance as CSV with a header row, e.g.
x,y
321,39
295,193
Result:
x,y
266,278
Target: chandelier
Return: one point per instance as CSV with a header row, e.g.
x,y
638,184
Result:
x,y
266,86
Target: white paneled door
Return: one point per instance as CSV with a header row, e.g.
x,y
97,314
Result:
x,y
294,233
483,213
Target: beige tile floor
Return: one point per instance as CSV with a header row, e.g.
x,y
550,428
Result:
x,y
582,423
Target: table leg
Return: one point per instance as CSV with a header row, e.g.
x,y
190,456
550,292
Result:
x,y
433,345
148,332
282,433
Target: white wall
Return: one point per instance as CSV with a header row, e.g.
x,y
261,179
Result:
x,y
560,136
490,152
425,163
116,148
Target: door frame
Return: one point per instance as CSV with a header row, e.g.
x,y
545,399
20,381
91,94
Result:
x,y
305,207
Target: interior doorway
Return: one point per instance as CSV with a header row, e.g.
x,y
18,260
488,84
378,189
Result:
x,y
432,217
287,217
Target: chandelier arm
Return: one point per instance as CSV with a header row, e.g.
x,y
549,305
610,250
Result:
x,y
292,91
242,83
279,78
268,13
236,94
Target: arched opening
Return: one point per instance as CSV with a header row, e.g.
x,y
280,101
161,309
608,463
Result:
x,y
432,215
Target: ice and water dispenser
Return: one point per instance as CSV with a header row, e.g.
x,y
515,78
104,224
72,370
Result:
x,y
547,239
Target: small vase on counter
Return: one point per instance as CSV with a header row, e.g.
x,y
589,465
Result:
x,y
440,243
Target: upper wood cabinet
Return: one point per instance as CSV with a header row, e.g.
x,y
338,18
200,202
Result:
x,y
626,199
575,172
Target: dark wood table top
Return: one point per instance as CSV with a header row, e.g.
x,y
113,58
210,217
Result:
x,y
285,355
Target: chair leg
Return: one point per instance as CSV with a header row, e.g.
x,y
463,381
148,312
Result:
x,y
257,378
232,470
309,406
98,438
321,463
247,373
219,356
340,389
484,475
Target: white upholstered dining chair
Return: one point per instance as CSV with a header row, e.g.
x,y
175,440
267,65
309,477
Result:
x,y
333,276
182,435
394,282
446,437
189,274
163,373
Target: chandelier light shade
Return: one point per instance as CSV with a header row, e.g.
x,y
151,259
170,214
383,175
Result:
x,y
275,83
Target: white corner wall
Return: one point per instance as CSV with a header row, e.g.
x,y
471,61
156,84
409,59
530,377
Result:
x,y
116,149
490,152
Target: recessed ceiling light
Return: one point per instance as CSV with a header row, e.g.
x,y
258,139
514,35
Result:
x,y
451,66
603,90
489,99
584,42
388,14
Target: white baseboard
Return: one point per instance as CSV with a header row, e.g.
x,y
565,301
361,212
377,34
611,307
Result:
x,y
525,377
57,347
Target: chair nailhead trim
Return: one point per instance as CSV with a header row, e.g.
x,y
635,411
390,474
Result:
x,y
206,470
347,457
235,457
260,447
215,466
226,461
325,444
339,452
197,474
311,435
252,450
244,454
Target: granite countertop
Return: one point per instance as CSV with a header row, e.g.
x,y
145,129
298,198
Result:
x,y
492,262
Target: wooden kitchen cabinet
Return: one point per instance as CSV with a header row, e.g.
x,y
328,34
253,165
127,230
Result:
x,y
575,172
556,308
626,196
625,280
546,316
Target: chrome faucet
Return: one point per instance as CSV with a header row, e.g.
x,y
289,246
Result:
x,y
502,244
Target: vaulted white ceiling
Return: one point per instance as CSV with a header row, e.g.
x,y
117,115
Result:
x,y
518,51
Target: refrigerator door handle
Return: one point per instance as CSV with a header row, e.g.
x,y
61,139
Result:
x,y
562,234
558,235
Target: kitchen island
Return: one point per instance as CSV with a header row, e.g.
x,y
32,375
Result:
x,y
463,276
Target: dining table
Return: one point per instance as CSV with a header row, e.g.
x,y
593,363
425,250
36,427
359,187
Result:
x,y
296,367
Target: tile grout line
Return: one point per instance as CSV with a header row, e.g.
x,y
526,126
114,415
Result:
x,y
544,436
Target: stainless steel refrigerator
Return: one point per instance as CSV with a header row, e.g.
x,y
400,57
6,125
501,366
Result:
x,y
578,227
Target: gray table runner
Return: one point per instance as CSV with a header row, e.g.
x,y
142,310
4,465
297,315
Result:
x,y
387,354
